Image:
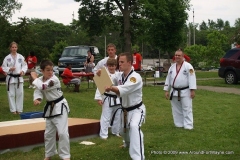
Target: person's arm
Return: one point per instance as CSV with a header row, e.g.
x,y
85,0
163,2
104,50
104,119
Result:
x,y
92,59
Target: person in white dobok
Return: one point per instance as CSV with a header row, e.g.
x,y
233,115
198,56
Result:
x,y
56,111
181,81
129,88
15,67
111,50
111,106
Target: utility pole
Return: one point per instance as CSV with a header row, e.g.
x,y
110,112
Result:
x,y
193,29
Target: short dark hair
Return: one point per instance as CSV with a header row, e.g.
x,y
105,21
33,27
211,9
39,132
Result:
x,y
32,53
45,63
128,55
111,62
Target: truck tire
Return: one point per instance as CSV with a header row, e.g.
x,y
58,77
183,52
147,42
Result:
x,y
230,78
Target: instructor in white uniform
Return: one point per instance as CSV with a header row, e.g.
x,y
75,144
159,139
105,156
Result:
x,y
181,81
130,90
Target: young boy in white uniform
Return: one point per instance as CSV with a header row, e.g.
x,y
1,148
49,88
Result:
x,y
111,106
56,111
15,67
129,88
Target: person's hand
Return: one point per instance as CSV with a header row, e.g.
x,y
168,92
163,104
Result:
x,y
36,102
21,73
167,95
100,102
192,93
51,83
98,72
108,89
33,75
12,69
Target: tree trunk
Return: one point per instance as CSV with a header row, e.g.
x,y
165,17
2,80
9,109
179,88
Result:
x,y
127,35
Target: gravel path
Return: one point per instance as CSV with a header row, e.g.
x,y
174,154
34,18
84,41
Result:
x,y
220,89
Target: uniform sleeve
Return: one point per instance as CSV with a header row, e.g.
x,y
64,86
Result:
x,y
98,66
98,95
192,77
37,94
5,68
167,84
24,65
45,85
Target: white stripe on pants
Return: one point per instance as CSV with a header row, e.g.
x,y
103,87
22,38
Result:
x,y
182,112
59,124
134,135
15,97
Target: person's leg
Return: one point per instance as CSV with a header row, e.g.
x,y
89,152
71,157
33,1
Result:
x,y
177,112
136,148
50,139
61,122
19,98
76,82
11,98
116,114
105,119
187,112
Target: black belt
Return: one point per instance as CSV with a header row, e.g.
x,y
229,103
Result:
x,y
132,108
125,110
178,89
51,104
110,95
15,76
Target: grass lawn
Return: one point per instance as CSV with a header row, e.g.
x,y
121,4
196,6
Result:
x,y
215,135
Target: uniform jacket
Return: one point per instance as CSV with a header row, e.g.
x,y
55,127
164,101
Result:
x,y
186,77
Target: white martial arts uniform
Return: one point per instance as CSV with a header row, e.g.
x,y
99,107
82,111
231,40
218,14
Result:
x,y
56,113
184,80
130,89
111,110
14,81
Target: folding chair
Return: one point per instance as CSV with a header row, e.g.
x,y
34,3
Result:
x,y
149,76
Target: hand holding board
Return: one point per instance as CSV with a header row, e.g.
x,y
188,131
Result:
x,y
102,81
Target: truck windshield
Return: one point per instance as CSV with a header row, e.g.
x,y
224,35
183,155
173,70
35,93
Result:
x,y
75,52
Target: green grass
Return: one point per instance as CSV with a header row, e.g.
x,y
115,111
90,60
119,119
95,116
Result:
x,y
216,127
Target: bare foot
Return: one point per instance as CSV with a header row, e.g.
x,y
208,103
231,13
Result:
x,y
14,112
47,158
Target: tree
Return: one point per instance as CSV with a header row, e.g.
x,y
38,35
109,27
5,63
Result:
x,y
57,50
8,8
101,13
166,23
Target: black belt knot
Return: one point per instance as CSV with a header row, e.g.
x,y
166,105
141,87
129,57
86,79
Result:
x,y
52,104
179,91
15,76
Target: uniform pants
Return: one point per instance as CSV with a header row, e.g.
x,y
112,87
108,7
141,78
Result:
x,y
106,117
15,97
134,136
59,124
75,81
182,112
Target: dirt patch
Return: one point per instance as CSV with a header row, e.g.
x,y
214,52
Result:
x,y
220,89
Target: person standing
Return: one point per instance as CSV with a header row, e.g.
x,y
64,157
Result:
x,y
89,64
111,104
56,111
181,81
129,88
137,60
69,77
111,50
15,67
31,62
